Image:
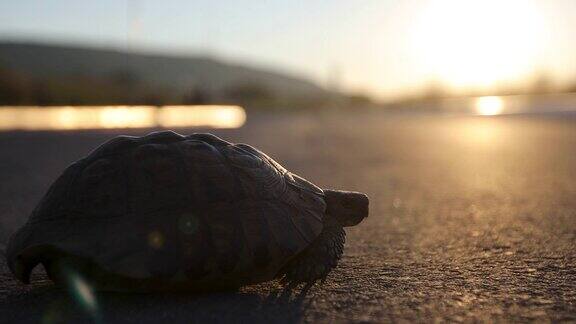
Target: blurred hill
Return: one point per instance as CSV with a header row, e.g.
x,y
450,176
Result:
x,y
54,74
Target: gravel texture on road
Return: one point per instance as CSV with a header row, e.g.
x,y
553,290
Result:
x,y
472,219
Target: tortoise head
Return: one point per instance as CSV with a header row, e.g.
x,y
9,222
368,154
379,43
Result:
x,y
348,208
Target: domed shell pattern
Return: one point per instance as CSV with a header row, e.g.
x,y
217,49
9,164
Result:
x,y
188,208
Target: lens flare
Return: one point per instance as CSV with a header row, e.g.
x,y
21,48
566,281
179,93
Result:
x,y
156,240
82,293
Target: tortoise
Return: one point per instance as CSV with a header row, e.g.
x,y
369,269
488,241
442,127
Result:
x,y
167,212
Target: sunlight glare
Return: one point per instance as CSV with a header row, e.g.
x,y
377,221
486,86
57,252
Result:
x,y
202,116
489,106
478,43
100,117
126,117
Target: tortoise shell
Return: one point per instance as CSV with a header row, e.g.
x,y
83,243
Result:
x,y
193,209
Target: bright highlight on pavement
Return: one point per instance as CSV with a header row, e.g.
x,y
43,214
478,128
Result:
x,y
98,117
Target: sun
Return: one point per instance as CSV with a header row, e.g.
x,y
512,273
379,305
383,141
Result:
x,y
477,43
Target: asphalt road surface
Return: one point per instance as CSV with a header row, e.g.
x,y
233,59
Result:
x,y
472,219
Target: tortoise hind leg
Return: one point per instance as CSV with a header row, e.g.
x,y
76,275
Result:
x,y
317,260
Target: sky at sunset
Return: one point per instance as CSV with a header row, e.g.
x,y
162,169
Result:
x,y
385,48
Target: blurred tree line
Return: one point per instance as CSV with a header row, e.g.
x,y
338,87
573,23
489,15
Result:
x,y
125,87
